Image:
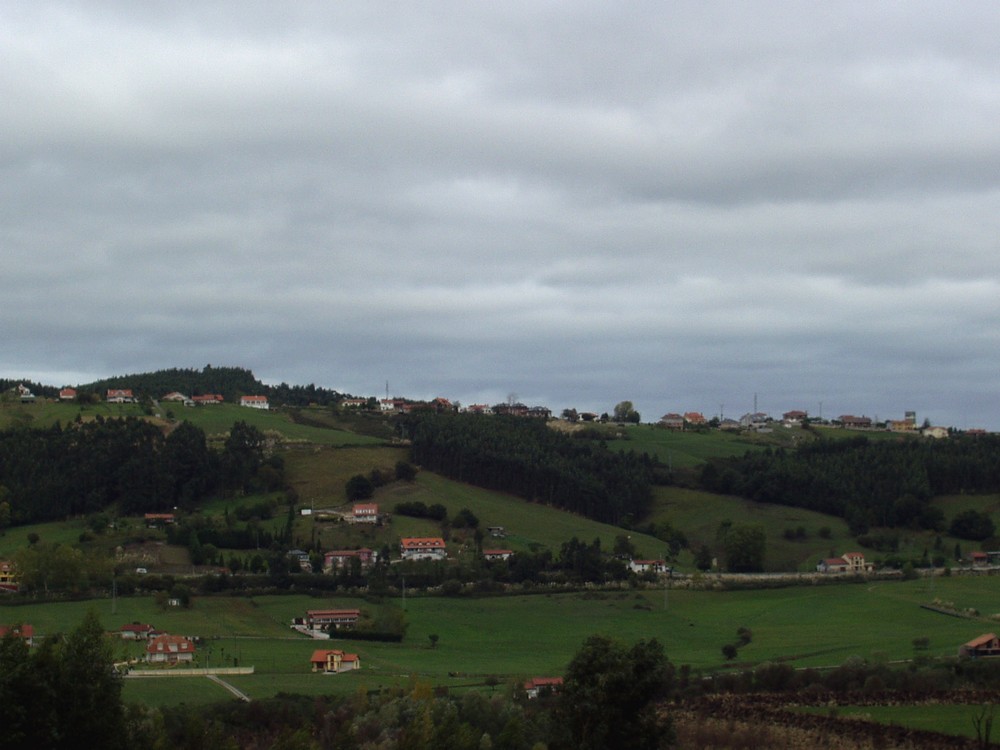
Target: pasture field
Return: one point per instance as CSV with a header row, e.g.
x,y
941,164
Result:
x,y
217,419
44,413
689,449
525,635
947,718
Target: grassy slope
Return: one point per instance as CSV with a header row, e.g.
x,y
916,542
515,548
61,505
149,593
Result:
x,y
214,420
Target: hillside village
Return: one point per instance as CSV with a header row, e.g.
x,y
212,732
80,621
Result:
x,y
386,559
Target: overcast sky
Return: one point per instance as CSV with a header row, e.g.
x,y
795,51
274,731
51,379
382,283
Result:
x,y
681,204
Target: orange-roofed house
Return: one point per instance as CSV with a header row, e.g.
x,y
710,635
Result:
x,y
67,394
120,396
423,548
332,619
984,645
537,686
334,661
156,520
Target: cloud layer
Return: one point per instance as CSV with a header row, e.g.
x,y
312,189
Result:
x,y
681,206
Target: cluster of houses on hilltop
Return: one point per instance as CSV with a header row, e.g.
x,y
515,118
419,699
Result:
x,y
763,422
442,405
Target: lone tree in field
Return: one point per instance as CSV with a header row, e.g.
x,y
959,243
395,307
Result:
x,y
625,412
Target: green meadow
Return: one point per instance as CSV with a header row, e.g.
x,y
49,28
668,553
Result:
x,y
515,636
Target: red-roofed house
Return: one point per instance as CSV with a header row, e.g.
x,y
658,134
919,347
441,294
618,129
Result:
x,y
849,562
170,649
255,402
156,520
333,661
856,563
24,631
67,394
540,685
423,548
365,513
979,559
695,418
120,396
984,645
208,398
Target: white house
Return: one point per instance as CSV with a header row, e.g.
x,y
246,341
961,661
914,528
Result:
x,y
255,402
364,513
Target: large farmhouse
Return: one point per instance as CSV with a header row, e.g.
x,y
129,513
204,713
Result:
x,y
423,548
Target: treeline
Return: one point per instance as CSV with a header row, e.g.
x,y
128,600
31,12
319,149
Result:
x,y
128,464
526,458
866,482
231,382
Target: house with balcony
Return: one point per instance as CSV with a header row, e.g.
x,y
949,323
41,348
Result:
x,y
423,548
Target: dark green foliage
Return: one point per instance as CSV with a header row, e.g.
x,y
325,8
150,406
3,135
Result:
x,y
703,558
465,519
62,694
359,487
418,509
90,466
528,459
405,471
242,456
973,525
231,382
866,482
745,546
609,696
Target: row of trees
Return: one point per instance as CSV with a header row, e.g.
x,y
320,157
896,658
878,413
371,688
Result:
x,y
866,482
84,468
526,458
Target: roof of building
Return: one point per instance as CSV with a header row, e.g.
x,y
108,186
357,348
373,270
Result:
x,y
183,644
422,542
981,640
